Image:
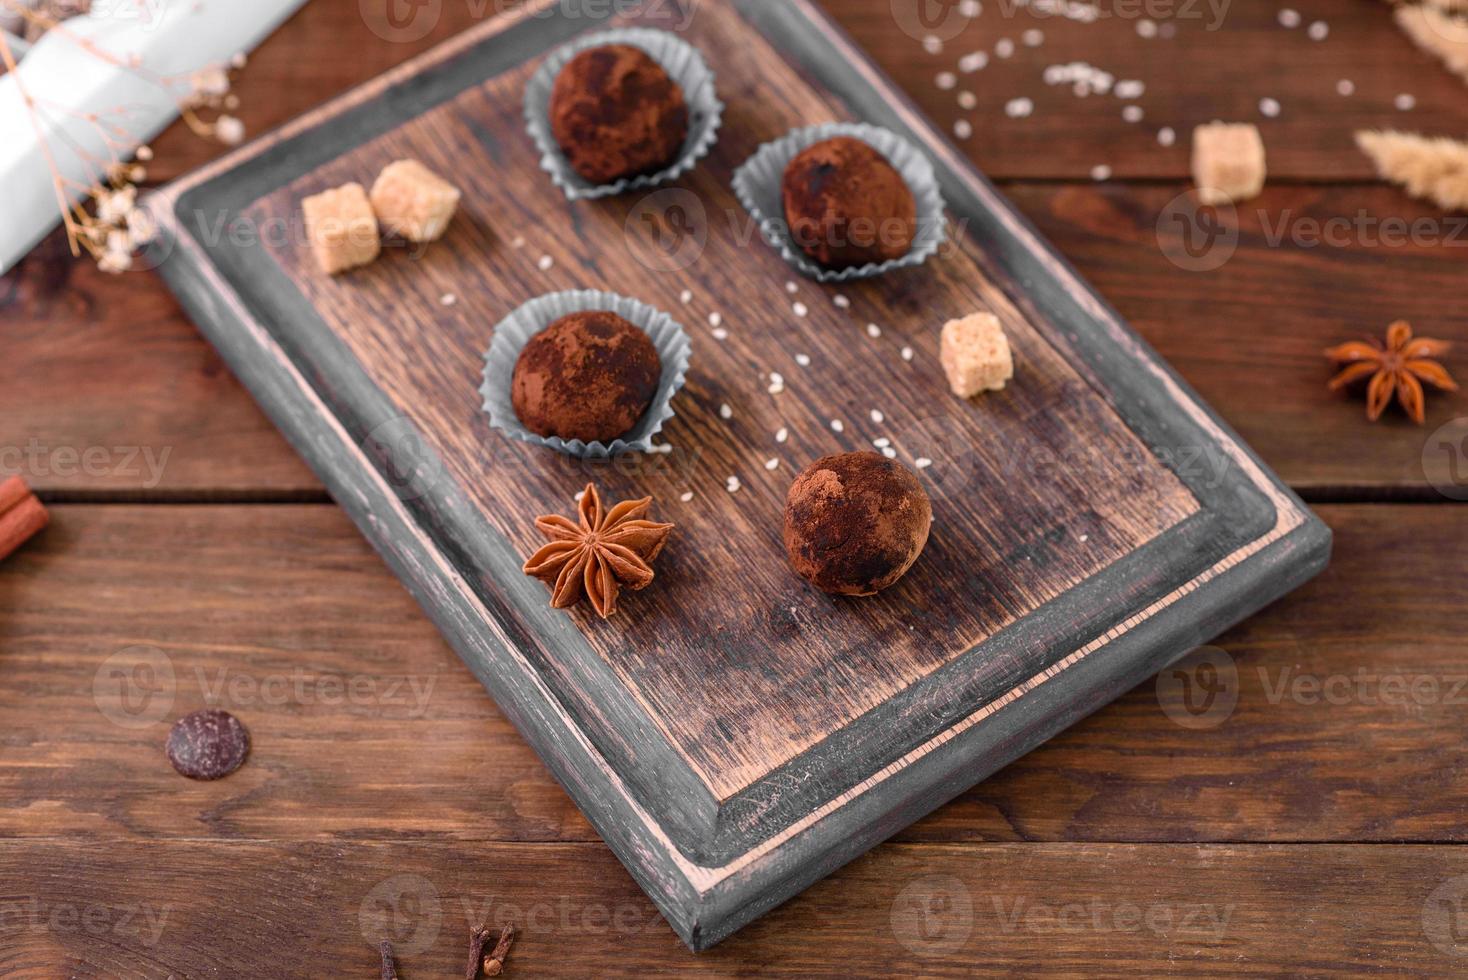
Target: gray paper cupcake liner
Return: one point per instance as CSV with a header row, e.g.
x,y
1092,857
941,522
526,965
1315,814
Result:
x,y
678,58
515,331
757,184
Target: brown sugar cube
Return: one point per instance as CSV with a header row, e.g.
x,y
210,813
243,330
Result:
x,y
1228,162
414,201
342,228
975,355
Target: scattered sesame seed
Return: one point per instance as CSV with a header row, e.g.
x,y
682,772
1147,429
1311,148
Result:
x,y
907,353
970,8
803,360
968,100
687,496
1101,172
518,241
732,484
1269,107
882,443
725,412
1406,102
782,435
772,464
1345,87
716,319
1130,88
790,287
545,263
1146,28
963,129
922,462
685,297
878,417
1318,31
578,496
800,309
1033,37
721,334
933,44
945,80
776,378
1003,47
838,426
448,299
1289,18
842,302
1132,113
1167,136
973,62
1019,108
889,452
873,331
1085,538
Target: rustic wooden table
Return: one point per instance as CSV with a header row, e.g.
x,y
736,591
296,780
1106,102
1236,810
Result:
x,y
1305,824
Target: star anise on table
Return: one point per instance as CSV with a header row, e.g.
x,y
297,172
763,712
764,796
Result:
x,y
606,551
1397,367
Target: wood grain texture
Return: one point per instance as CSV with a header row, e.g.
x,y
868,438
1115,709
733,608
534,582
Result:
x,y
184,908
783,687
283,616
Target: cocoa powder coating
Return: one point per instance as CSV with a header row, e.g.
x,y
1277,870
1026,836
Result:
x,y
588,376
616,113
855,523
847,206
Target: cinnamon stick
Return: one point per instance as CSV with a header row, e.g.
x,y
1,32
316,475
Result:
x,y
21,515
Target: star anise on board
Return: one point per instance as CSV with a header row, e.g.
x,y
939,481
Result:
x,y
1397,367
599,556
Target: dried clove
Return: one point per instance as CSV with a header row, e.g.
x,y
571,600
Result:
x,y
389,969
494,963
478,936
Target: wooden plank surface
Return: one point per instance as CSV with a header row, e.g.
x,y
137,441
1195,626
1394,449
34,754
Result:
x,y
122,618
167,909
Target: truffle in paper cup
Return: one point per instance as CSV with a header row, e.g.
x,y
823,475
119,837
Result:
x,y
758,185
683,64
515,331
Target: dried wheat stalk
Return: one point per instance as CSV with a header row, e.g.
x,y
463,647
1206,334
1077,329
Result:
x,y
1438,33
1435,169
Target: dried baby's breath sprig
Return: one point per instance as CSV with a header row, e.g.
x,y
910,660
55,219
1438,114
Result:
x,y
1439,33
1435,169
106,221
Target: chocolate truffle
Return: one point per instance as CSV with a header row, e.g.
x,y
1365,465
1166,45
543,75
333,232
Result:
x,y
587,376
847,206
616,113
855,523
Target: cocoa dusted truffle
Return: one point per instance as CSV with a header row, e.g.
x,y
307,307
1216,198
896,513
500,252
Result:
x,y
847,206
616,113
855,523
588,376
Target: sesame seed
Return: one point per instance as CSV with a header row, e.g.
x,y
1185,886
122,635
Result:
x,y
933,44
963,129
715,319
803,360
1167,136
578,496
772,464
782,435
968,100
878,417
1101,172
1147,28
1003,47
518,242
732,484
838,426
790,287
1085,538
889,452
970,8
1345,87
725,412
776,378
685,297
907,353
1289,18
842,302
687,496
1269,107
1132,113
800,309
882,443
1019,108
1406,102
448,299
945,80
1130,88
873,330
922,462
1033,37
973,62
1318,31
545,263
721,334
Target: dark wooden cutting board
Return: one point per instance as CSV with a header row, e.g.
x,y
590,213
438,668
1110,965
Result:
x,y
733,734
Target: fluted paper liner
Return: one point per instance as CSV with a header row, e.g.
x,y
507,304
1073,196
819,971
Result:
x,y
515,331
683,64
757,184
